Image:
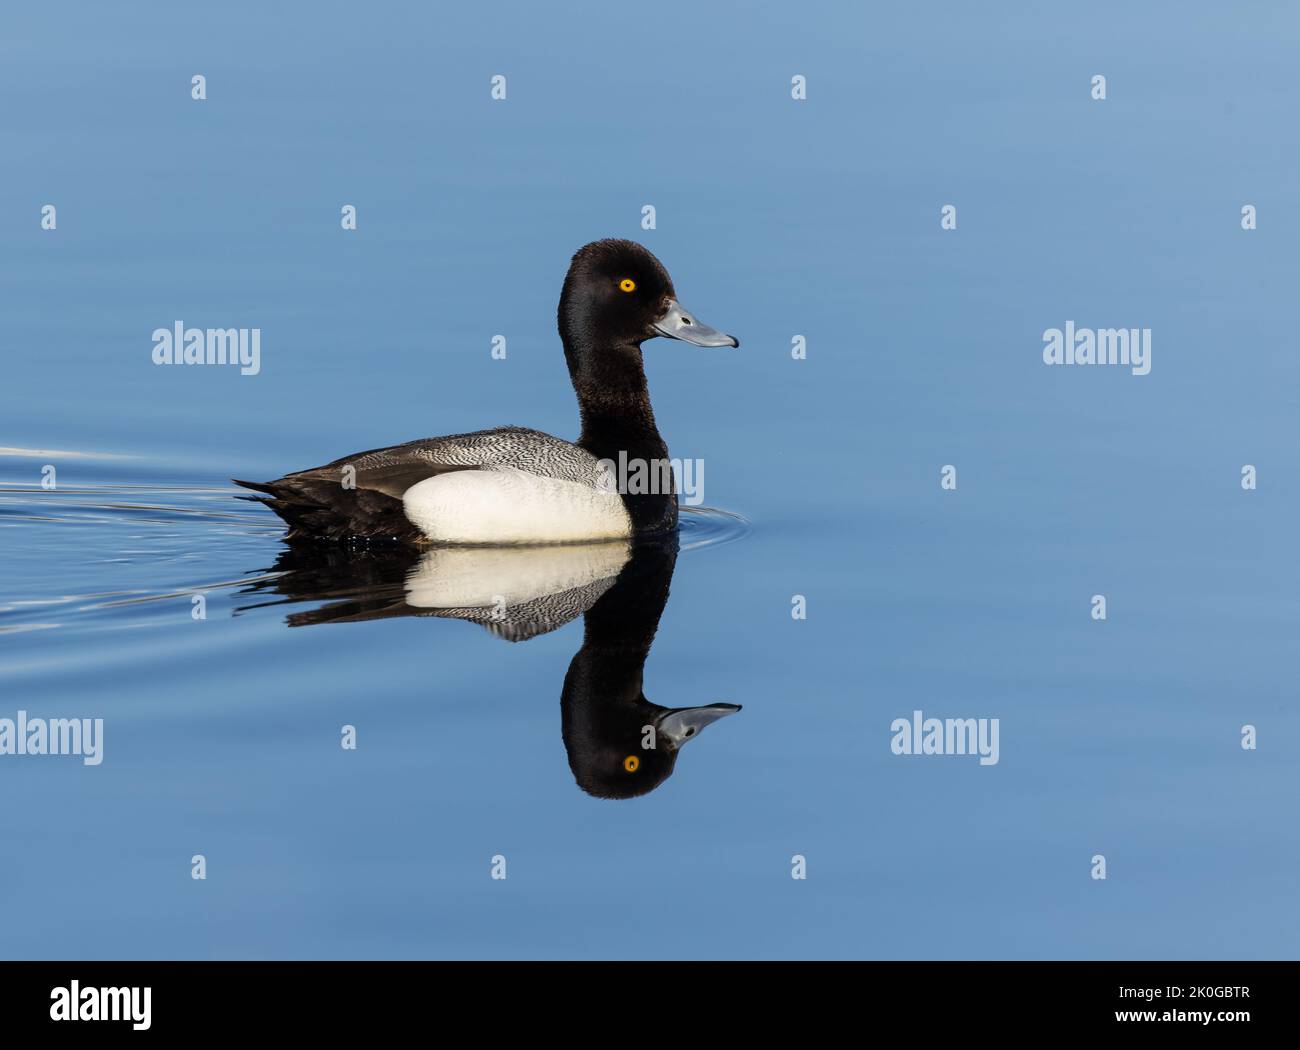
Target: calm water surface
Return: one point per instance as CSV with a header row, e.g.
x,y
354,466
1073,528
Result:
x,y
222,734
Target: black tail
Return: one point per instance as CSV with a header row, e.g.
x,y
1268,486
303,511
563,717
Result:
x,y
320,509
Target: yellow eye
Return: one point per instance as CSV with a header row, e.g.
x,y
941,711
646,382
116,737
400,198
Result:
x,y
631,763
627,285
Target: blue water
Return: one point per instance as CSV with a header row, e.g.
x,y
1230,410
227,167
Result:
x,y
776,218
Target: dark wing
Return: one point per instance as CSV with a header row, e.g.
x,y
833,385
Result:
x,y
363,504
359,497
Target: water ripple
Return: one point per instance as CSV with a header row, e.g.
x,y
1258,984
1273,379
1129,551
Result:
x,y
100,556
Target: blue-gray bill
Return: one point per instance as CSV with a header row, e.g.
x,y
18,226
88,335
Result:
x,y
680,323
686,723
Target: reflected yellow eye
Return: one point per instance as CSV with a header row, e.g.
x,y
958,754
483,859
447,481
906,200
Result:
x,y
627,285
631,763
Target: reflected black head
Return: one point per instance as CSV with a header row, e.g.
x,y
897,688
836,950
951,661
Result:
x,y
606,719
605,716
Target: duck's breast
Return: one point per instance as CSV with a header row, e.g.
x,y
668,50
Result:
x,y
508,505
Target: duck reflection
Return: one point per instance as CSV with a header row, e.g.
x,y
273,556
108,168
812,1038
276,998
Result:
x,y
619,743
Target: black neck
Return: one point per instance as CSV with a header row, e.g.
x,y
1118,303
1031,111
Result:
x,y
618,423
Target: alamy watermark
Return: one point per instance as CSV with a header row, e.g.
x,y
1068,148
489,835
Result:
x,y
644,477
946,736
1102,346
53,736
71,1002
179,345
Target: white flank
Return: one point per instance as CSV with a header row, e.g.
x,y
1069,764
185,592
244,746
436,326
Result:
x,y
506,505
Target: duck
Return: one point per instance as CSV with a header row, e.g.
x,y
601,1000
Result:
x,y
513,485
